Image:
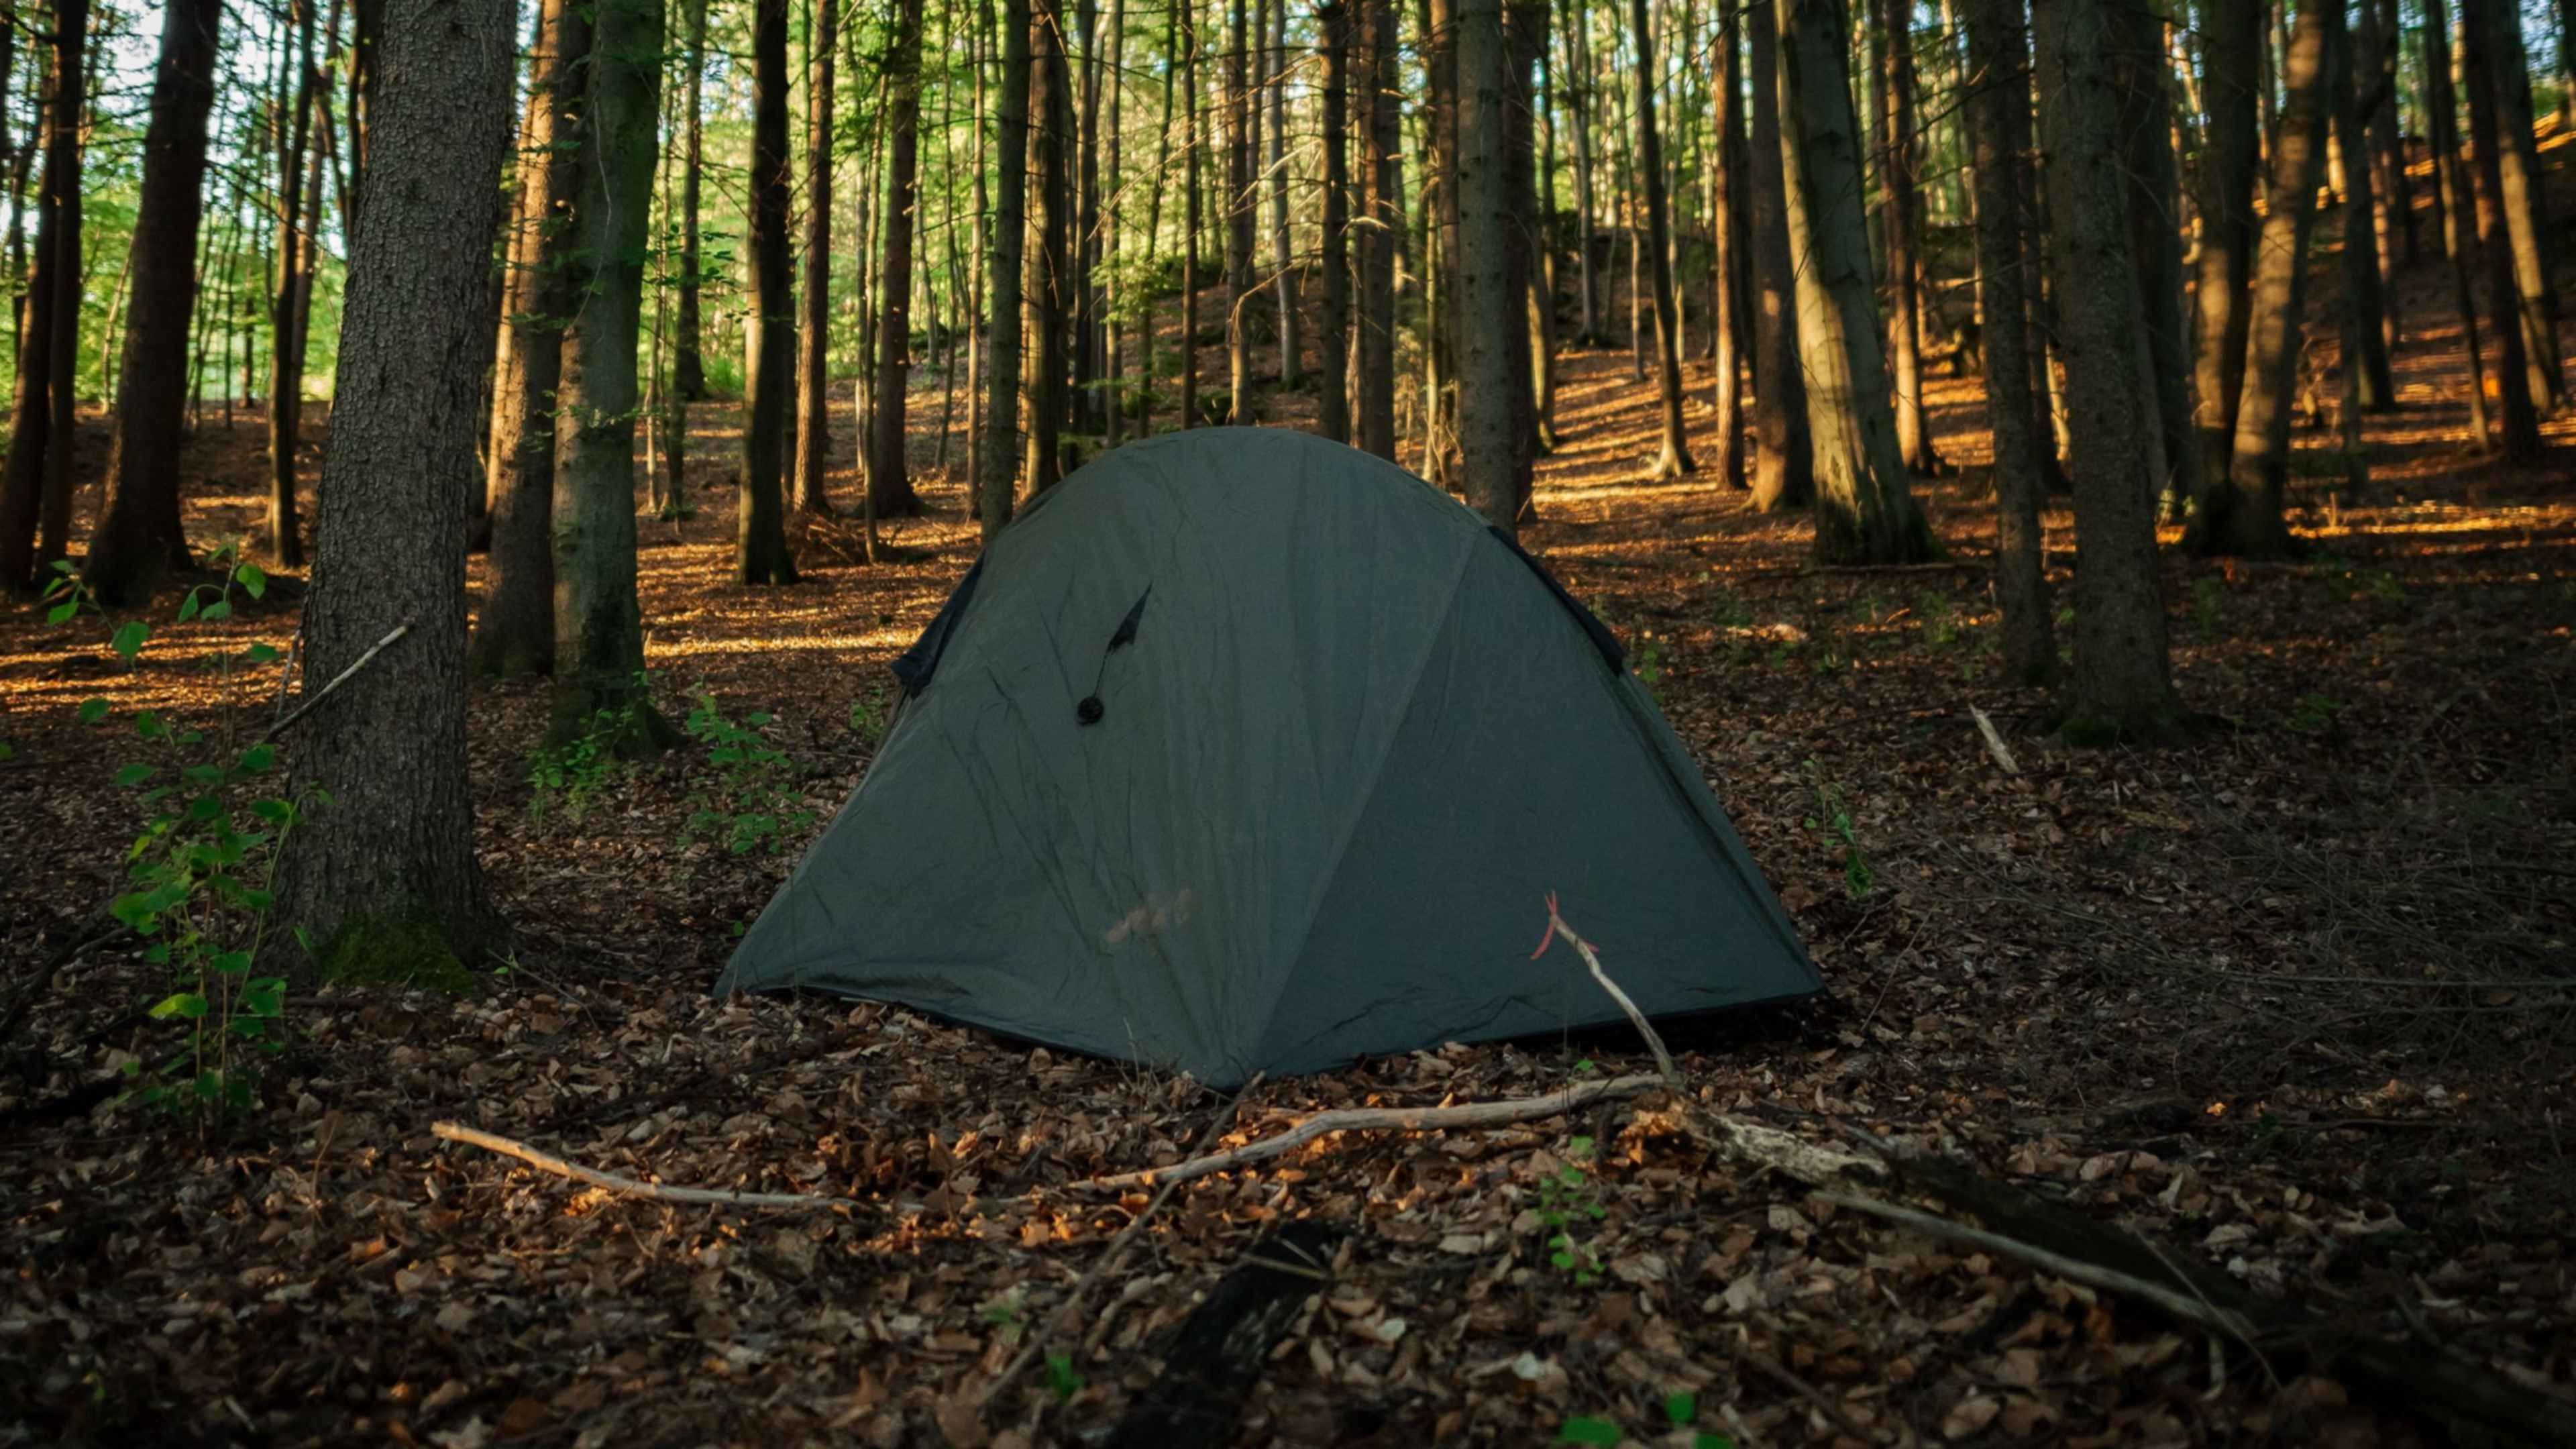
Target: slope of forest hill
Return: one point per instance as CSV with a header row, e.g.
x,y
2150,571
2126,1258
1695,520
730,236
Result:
x,y
2293,1000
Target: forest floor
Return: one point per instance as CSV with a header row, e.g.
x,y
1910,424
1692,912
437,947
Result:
x,y
2292,1000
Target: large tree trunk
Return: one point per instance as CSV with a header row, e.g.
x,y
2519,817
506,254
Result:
x,y
1783,467
1382,223
140,534
2368,363
1996,61
1333,321
889,472
1865,510
1488,309
814,330
1899,180
688,367
286,315
997,463
1674,457
2526,211
2122,687
2228,154
760,539
1241,199
1050,270
2495,243
1524,34
514,633
2451,198
2240,509
2379,33
384,865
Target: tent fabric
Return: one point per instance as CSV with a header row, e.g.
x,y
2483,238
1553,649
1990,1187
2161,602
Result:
x,y
1246,751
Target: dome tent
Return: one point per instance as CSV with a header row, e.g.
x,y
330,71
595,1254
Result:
x,y
1242,751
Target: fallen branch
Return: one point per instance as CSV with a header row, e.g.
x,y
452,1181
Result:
x,y
341,678
1388,1119
1994,741
629,1187
1556,927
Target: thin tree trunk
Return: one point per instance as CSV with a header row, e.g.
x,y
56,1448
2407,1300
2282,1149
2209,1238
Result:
x,y
1579,94
2372,386
1783,475
998,460
814,331
1283,254
2451,195
139,533
1332,399
1241,200
760,540
688,366
1995,63
1382,223
2227,175
1673,458
2155,239
1050,269
1726,320
2526,211
1113,301
35,498
890,487
386,866
2122,687
2240,510
1486,311
286,319
1899,180
1865,510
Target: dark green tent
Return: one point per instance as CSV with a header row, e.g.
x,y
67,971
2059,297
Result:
x,y
1241,750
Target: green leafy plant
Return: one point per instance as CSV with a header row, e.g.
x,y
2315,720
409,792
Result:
x,y
1939,615
754,805
1062,1379
869,717
1681,1410
1647,663
1566,1198
1834,819
2208,596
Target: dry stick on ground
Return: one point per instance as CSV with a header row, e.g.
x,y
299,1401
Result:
x,y
629,1187
1556,927
1061,1324
337,680
1387,1119
1994,741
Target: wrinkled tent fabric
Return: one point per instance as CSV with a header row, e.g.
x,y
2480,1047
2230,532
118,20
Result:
x,y
1245,751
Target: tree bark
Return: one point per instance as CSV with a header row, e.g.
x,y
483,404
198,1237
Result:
x,y
760,539
139,534
2526,211
1726,223
1865,510
1899,180
1674,457
2373,388
1783,465
1333,321
997,463
1487,305
814,330
2228,155
2140,70
383,862
1996,61
34,482
1050,279
688,366
2451,199
514,633
1241,199
2519,418
889,470
287,319
1381,223
2122,689
1192,220
1283,253
2380,34
2240,509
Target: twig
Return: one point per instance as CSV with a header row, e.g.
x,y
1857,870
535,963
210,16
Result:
x,y
1387,1119
2185,1280
337,680
629,1187
1994,741
1556,927
1778,1372
1061,1323
2190,1307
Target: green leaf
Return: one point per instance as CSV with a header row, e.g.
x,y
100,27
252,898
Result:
x,y
1680,1408
129,638
257,759
1565,1260
135,911
232,963
159,955
92,710
1588,1430
1578,1147
1706,1440
133,775
261,654
148,725
64,610
189,606
218,610
253,582
275,812
1061,1376
248,1028
184,1004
